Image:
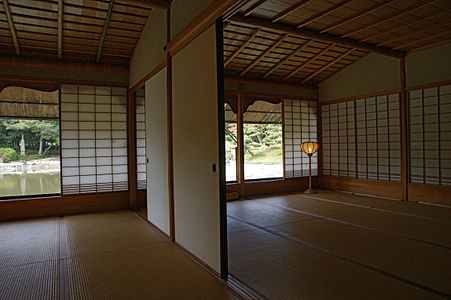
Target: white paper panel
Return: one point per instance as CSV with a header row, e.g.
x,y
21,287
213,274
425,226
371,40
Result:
x,y
87,132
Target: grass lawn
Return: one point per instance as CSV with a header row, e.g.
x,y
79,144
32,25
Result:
x,y
265,156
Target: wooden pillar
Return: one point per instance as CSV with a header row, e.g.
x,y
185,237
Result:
x,y
131,148
169,131
319,137
404,133
240,136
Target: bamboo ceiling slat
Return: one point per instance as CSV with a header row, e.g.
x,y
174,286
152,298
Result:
x,y
323,13
391,17
71,29
434,14
428,29
289,10
382,25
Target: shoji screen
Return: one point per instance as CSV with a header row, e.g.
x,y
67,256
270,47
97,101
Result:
x,y
361,138
141,140
430,135
93,139
299,125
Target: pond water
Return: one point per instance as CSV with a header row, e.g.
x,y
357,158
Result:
x,y
29,184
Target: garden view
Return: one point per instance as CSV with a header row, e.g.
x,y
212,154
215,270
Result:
x,y
29,157
262,151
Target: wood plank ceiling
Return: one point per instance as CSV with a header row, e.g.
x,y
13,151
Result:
x,y
77,30
307,41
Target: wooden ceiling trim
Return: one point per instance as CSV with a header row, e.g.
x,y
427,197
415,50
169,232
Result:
x,y
63,65
312,59
397,28
287,58
149,4
60,28
244,45
105,29
415,32
307,33
323,13
11,26
326,66
253,7
389,18
289,10
359,15
259,58
426,38
97,9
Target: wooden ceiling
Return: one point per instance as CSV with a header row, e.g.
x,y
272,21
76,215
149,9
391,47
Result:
x,y
307,41
78,30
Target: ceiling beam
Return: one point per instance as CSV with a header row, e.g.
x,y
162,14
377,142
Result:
x,y
289,10
307,33
234,79
244,45
361,14
105,29
312,59
393,16
326,66
323,13
39,63
60,28
163,4
253,7
11,26
291,55
273,46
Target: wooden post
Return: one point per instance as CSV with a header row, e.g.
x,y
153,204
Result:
x,y
169,131
240,136
131,120
319,137
404,133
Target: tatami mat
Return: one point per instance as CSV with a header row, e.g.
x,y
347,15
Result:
x,y
281,270
339,248
105,232
429,230
30,282
25,242
111,255
145,273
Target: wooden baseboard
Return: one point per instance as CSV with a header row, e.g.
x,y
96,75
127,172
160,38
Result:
x,y
430,193
232,196
362,186
63,205
257,188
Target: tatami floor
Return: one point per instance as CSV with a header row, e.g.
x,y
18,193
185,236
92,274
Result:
x,y
334,245
112,255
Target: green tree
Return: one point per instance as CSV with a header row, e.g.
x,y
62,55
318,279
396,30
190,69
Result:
x,y
35,132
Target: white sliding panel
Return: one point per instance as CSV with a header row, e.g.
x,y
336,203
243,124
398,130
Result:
x,y
93,139
195,136
157,152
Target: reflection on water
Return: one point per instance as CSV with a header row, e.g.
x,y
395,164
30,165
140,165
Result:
x,y
29,184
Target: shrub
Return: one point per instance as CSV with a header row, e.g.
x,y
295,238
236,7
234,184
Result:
x,y
9,153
